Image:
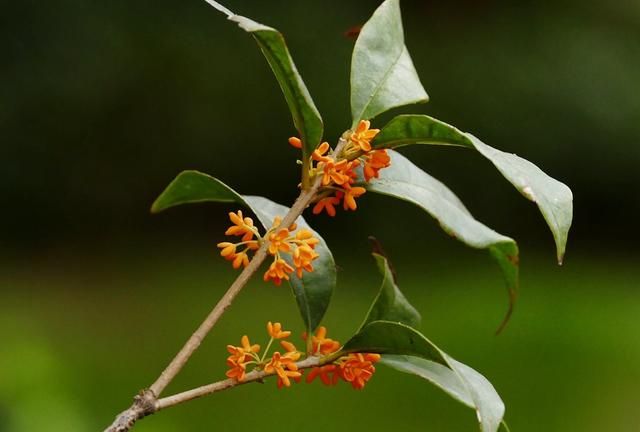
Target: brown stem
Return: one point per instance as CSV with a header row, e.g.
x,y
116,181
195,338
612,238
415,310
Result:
x,y
256,375
138,410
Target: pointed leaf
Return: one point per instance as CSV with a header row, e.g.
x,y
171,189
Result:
x,y
390,304
386,337
553,198
406,181
306,117
193,187
382,73
407,350
408,129
313,291
459,381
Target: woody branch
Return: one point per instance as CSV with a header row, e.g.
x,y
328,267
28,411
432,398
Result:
x,y
144,403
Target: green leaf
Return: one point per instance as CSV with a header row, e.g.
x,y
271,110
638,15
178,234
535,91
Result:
x,y
553,198
386,337
406,181
390,304
459,381
313,291
407,350
408,129
306,117
193,187
382,73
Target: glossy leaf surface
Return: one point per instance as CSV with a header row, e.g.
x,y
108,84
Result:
x,y
390,304
382,72
306,117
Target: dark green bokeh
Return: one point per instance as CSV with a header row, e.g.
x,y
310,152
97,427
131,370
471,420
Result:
x,y
102,103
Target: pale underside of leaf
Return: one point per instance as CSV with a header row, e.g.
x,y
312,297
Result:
x,y
407,350
459,381
553,198
407,182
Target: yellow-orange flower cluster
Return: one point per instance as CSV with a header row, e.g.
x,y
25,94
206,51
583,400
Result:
x,y
339,174
298,244
355,368
240,357
242,227
281,364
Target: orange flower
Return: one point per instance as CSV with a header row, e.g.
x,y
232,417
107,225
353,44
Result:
x,y
358,368
300,246
362,136
321,344
278,270
318,154
329,374
349,170
278,242
242,226
295,142
243,353
350,194
284,366
276,332
240,258
302,257
237,371
239,358
228,249
334,172
288,346
327,204
306,237
374,162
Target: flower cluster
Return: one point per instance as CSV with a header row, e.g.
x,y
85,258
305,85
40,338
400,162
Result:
x,y
242,227
281,364
299,245
354,368
339,173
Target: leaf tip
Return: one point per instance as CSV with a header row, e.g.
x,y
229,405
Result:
x,y
155,208
560,254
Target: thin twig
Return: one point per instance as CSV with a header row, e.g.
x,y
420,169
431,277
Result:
x,y
143,403
253,376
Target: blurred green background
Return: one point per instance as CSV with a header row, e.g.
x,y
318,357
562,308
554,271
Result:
x,y
102,103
